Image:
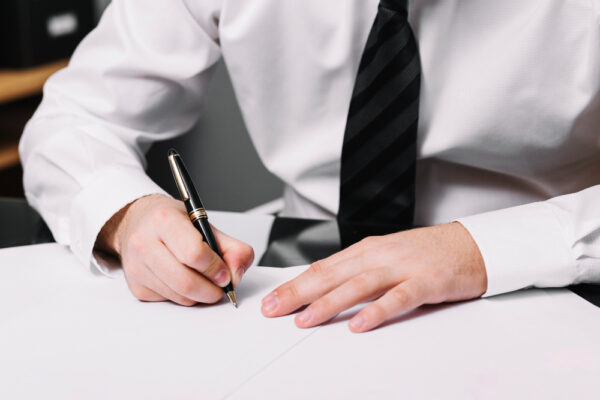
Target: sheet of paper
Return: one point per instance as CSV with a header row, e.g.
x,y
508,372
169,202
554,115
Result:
x,y
65,333
532,344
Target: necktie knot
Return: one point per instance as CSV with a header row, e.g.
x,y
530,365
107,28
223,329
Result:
x,y
400,6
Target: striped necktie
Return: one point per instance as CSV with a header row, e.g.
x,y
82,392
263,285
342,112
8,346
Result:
x,y
377,182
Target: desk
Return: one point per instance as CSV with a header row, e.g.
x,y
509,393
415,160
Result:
x,y
529,344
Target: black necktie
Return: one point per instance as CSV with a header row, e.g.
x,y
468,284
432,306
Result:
x,y
377,182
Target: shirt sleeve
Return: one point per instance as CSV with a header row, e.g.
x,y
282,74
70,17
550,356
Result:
x,y
137,78
553,243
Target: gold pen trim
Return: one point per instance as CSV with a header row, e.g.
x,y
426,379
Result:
x,y
178,178
198,213
232,299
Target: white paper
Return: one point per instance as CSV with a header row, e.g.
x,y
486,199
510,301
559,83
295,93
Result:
x,y
65,333
533,344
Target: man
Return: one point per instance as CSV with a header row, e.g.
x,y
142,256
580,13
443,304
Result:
x,y
508,117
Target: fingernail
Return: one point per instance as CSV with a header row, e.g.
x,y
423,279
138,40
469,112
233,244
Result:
x,y
241,271
304,316
357,323
222,278
270,303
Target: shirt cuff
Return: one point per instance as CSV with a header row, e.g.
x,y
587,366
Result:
x,y
109,191
522,246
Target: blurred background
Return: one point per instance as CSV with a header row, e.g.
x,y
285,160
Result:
x,y
37,38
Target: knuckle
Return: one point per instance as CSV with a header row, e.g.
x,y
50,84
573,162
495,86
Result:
x,y
214,297
430,290
185,287
140,292
317,268
322,305
369,258
362,281
183,301
320,269
290,291
377,312
416,289
400,295
368,241
387,248
194,254
137,241
161,214
132,273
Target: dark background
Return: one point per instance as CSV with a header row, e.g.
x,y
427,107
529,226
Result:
x,y
217,151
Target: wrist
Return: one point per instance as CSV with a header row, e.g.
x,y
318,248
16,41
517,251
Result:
x,y
109,238
473,258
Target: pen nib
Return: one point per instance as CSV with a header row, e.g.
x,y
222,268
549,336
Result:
x,y
232,299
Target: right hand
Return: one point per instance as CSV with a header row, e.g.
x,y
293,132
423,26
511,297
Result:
x,y
165,258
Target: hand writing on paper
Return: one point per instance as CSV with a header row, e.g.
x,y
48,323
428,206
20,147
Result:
x,y
397,272
164,256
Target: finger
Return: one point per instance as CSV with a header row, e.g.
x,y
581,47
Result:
x,y
145,286
237,255
322,277
188,246
158,287
406,296
181,279
352,251
135,276
368,285
313,283
143,293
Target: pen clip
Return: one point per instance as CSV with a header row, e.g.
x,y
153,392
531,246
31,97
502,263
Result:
x,y
185,196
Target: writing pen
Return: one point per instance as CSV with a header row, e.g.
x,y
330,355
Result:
x,y
196,210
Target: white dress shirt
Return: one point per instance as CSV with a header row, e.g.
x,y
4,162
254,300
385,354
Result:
x,y
509,135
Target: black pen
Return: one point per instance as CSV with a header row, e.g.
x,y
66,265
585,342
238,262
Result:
x,y
196,210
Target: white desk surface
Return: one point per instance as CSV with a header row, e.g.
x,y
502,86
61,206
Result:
x,y
67,333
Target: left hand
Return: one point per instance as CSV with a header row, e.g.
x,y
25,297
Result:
x,y
399,272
